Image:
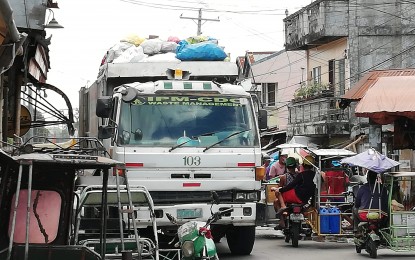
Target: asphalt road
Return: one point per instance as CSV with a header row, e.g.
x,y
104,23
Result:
x,y
268,246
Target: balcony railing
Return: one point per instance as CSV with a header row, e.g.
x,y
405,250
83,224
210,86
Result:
x,y
316,24
318,116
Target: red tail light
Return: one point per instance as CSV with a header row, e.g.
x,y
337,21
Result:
x,y
297,210
372,227
120,172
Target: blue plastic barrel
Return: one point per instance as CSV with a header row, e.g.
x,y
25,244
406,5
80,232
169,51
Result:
x,y
335,220
324,221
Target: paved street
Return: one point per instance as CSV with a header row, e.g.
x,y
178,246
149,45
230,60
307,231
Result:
x,y
268,246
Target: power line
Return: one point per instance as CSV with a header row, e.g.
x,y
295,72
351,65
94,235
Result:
x,y
199,21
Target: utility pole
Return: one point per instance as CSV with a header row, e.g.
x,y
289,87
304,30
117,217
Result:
x,y
199,21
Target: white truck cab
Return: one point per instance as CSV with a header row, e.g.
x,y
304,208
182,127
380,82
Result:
x,y
181,139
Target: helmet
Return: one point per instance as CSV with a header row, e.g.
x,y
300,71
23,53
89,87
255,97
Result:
x,y
290,162
308,160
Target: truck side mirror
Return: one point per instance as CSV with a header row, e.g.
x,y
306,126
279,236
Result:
x,y
105,132
263,119
104,105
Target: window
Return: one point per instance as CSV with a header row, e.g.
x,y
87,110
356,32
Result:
x,y
341,75
269,94
317,74
332,73
165,120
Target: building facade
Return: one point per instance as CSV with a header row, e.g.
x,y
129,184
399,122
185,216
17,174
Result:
x,y
344,40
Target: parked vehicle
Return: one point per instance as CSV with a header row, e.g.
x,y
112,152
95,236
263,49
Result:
x,y
397,233
44,184
183,129
195,237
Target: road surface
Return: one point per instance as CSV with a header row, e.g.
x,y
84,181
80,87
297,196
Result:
x,y
269,247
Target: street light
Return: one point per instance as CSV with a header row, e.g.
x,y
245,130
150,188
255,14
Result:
x,y
53,24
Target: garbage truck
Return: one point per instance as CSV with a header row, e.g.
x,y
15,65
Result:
x,y
183,129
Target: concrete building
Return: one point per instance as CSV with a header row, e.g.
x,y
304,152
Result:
x,y
344,40
274,77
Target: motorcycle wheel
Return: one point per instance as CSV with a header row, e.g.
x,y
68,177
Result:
x,y
372,248
287,238
295,234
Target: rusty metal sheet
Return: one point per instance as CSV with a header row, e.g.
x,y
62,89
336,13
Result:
x,y
359,90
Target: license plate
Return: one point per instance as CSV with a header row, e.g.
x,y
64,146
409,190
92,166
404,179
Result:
x,y
189,213
296,217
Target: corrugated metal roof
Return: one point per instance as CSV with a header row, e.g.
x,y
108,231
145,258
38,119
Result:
x,y
359,90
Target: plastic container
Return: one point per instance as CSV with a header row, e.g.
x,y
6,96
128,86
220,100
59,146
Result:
x,y
324,220
335,220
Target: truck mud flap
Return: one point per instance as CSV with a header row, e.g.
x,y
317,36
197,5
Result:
x,y
260,214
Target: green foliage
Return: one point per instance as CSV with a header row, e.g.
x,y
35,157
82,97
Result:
x,y
311,90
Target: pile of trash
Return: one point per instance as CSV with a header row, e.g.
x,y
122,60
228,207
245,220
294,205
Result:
x,y
136,49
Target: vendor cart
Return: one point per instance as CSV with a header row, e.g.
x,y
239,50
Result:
x,y
330,216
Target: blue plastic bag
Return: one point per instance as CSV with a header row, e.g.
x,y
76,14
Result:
x,y
204,51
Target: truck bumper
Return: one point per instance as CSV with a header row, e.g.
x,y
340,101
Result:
x,y
243,214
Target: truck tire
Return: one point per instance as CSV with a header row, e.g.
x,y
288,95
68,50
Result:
x,y
241,239
218,232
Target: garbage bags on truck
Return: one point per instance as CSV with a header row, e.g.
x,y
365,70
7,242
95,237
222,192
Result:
x,y
203,51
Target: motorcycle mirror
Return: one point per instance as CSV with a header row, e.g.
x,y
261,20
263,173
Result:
x,y
171,218
215,197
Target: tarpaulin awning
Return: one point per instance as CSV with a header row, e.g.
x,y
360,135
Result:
x,y
387,99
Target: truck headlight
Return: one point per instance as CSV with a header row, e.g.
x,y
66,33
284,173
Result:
x,y
188,249
240,196
246,196
252,196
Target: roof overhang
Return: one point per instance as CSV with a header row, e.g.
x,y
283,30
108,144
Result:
x,y
388,98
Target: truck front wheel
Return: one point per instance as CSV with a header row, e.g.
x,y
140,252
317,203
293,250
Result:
x,y
241,239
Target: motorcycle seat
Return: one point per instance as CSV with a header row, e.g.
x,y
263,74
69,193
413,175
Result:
x,y
304,205
362,224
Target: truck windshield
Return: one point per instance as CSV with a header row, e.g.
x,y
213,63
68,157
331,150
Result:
x,y
172,120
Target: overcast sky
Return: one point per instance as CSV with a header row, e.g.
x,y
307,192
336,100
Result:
x,y
91,27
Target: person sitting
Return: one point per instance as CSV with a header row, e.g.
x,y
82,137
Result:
x,y
285,179
301,189
367,198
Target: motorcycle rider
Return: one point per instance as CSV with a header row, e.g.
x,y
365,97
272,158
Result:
x,y
301,189
285,179
367,198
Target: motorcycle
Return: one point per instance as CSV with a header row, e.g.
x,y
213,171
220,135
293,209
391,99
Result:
x,y
294,223
368,236
195,238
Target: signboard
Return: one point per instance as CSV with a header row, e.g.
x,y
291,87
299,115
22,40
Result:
x,y
25,121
